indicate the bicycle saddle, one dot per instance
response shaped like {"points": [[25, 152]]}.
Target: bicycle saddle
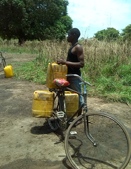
{"points": [[61, 82]]}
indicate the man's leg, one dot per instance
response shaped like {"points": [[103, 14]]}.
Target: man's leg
{"points": [[75, 85]]}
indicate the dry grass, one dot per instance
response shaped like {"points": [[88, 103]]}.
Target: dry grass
{"points": [[107, 64]]}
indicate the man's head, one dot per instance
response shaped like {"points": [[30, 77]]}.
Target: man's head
{"points": [[73, 34]]}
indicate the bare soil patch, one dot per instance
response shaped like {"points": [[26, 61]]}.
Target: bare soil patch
{"points": [[26, 142]]}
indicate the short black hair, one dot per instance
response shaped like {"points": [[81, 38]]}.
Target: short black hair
{"points": [[75, 31]]}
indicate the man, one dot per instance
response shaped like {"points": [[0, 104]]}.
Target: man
{"points": [[75, 60]]}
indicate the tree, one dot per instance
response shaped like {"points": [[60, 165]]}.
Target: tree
{"points": [[34, 19], [108, 34], [126, 33]]}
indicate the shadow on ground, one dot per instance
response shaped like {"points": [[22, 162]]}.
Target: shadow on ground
{"points": [[44, 129], [31, 164]]}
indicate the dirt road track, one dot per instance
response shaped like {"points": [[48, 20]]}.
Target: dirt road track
{"points": [[25, 143]]}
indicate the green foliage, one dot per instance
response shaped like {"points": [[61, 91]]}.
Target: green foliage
{"points": [[107, 66], [112, 89], [34, 70], [11, 15], [124, 73], [30, 72], [29, 19], [11, 46], [108, 34], [126, 33], [112, 81]]}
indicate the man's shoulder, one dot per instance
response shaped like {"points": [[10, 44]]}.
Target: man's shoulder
{"points": [[78, 47]]}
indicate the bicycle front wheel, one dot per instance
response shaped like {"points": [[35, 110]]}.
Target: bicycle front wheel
{"points": [[111, 146]]}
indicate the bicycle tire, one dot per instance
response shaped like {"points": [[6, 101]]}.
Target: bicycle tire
{"points": [[2, 62], [113, 148]]}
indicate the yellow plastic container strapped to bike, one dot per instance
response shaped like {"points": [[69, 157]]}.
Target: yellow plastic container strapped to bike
{"points": [[72, 102], [55, 71], [42, 103]]}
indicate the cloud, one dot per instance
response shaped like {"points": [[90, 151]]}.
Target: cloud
{"points": [[91, 14]]}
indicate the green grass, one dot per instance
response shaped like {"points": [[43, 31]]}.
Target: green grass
{"points": [[29, 71], [113, 82], [13, 47], [33, 70], [109, 73]]}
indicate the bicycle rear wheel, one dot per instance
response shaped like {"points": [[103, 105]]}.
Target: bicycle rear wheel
{"points": [[113, 143]]}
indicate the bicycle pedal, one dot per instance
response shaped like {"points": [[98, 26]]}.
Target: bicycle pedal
{"points": [[60, 114], [73, 132], [73, 135]]}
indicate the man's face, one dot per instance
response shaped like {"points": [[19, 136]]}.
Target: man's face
{"points": [[70, 37]]}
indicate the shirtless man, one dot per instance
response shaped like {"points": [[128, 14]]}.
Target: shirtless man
{"points": [[74, 61]]}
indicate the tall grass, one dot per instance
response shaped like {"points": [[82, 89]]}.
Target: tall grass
{"points": [[107, 64]]}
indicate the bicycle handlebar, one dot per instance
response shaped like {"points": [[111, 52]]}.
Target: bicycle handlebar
{"points": [[75, 75]]}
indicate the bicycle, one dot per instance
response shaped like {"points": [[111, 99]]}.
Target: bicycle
{"points": [[93, 140], [2, 62]]}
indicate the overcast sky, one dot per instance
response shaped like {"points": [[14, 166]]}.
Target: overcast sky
{"points": [[91, 16]]}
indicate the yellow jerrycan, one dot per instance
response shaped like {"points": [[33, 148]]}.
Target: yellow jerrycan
{"points": [[55, 71], [43, 102], [72, 102], [8, 70]]}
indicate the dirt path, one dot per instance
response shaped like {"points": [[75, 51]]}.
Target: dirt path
{"points": [[26, 143]]}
